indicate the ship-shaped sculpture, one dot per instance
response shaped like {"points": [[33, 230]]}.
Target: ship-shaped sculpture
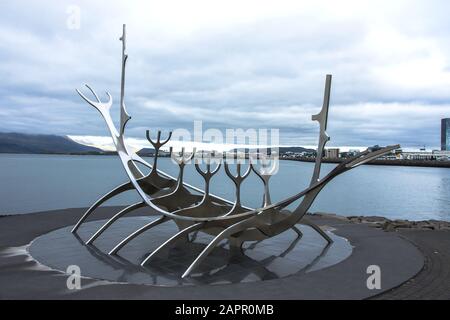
{"points": [[197, 210]]}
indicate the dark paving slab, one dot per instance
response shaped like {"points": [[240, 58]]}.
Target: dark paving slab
{"points": [[23, 278]]}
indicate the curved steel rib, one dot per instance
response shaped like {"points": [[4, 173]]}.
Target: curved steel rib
{"points": [[173, 239], [114, 218], [118, 190], [133, 235], [235, 228]]}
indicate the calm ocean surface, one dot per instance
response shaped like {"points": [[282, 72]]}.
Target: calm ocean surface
{"points": [[30, 183]]}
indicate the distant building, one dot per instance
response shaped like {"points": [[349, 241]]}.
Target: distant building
{"points": [[421, 155], [426, 155], [332, 153], [445, 134], [348, 154], [374, 148], [442, 155]]}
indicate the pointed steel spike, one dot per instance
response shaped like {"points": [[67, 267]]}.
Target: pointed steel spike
{"points": [[158, 139], [147, 134], [168, 138], [193, 153], [247, 173], [93, 92], [216, 169]]}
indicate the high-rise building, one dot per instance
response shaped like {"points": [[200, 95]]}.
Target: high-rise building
{"points": [[445, 134]]}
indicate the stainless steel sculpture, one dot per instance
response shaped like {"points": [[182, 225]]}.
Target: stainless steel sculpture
{"points": [[196, 210]]}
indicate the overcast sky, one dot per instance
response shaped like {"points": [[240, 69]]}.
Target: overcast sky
{"points": [[232, 64]]}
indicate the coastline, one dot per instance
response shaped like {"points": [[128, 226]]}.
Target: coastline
{"points": [[381, 162], [377, 162], [378, 222], [387, 224]]}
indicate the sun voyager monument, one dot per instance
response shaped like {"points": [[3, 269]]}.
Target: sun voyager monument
{"points": [[196, 210]]}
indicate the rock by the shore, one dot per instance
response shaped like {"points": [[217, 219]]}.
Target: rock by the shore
{"points": [[392, 225]]}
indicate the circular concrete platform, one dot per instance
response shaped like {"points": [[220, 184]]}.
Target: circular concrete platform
{"points": [[281, 256], [23, 276]]}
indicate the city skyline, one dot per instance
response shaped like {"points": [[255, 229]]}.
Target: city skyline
{"points": [[236, 65]]}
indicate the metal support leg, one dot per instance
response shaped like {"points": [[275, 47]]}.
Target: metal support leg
{"points": [[297, 231], [114, 218], [173, 239], [237, 227], [148, 226], [122, 188], [317, 229]]}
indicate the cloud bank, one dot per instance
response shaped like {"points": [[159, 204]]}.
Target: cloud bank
{"points": [[232, 64]]}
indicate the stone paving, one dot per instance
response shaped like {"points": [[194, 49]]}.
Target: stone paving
{"points": [[432, 238], [433, 282], [23, 278]]}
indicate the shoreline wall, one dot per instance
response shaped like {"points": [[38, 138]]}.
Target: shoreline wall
{"points": [[381, 162]]}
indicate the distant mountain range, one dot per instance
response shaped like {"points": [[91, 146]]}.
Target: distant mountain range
{"points": [[150, 152], [42, 143], [146, 152], [54, 144], [295, 149]]}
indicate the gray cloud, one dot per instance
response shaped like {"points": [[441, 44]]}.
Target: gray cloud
{"points": [[232, 65]]}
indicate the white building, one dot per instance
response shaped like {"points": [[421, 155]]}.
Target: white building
{"points": [[427, 155]]}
